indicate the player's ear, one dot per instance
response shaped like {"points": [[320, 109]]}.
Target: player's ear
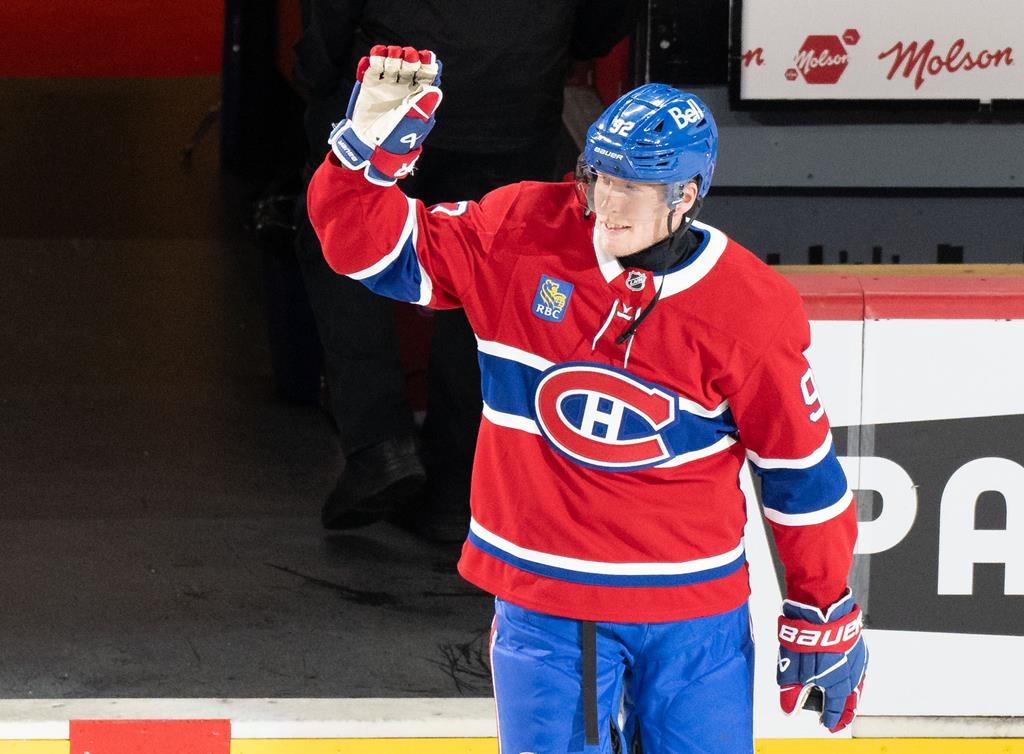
{"points": [[690, 191]]}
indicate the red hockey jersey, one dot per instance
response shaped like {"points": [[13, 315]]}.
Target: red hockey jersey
{"points": [[606, 479]]}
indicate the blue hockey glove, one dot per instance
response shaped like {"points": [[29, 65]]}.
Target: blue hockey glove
{"points": [[822, 652], [389, 114]]}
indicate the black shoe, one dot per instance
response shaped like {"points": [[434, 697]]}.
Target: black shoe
{"points": [[375, 482]]}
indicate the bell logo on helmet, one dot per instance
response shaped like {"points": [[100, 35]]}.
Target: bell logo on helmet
{"points": [[683, 118]]}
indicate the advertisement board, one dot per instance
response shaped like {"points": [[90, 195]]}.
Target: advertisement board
{"points": [[877, 51], [921, 379]]}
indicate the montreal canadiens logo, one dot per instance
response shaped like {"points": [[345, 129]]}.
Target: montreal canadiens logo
{"points": [[603, 417]]}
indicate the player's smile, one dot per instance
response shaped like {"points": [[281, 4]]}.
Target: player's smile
{"points": [[621, 237], [614, 226], [630, 215]]}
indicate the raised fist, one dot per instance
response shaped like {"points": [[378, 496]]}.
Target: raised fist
{"points": [[390, 112]]}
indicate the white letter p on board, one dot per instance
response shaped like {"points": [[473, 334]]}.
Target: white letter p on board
{"points": [[899, 501]]}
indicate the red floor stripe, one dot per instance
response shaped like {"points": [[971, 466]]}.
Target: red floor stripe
{"points": [[150, 736]]}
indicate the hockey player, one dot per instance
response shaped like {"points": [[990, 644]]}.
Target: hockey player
{"points": [[633, 360]]}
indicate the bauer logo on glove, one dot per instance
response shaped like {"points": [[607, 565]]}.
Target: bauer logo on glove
{"points": [[389, 114], [822, 660]]}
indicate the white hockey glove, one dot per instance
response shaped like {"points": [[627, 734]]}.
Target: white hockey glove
{"points": [[389, 114]]}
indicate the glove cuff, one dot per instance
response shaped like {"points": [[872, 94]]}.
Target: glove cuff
{"points": [[839, 608], [391, 166], [381, 168], [352, 151]]}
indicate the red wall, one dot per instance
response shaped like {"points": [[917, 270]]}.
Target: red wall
{"points": [[110, 38]]}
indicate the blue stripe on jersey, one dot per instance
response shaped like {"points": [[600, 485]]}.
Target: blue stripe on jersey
{"points": [[509, 386], [401, 279], [794, 491], [606, 579]]}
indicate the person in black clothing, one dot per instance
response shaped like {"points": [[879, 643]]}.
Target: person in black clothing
{"points": [[498, 126]]}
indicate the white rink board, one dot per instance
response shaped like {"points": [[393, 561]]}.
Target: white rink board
{"points": [[889, 371], [917, 370]]}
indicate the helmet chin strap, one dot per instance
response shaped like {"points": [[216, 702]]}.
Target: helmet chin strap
{"points": [[688, 219]]}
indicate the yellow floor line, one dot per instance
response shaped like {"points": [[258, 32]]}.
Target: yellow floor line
{"points": [[764, 746], [367, 746], [35, 747], [490, 746], [892, 746]]}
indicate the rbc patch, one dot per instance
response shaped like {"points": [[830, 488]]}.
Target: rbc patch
{"points": [[552, 298]]}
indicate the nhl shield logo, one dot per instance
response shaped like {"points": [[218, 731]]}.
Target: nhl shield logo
{"points": [[552, 298], [635, 280]]}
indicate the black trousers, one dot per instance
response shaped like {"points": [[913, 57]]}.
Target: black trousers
{"points": [[357, 331]]}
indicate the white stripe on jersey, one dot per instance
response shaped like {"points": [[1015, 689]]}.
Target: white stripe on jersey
{"points": [[381, 264], [459, 209], [813, 517], [726, 442], [426, 288], [602, 567], [426, 284], [511, 421], [493, 348], [698, 410], [792, 463]]}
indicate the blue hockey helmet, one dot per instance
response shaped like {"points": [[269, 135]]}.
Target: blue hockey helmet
{"points": [[654, 134]]}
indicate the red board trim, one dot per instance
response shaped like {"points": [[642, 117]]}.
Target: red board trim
{"points": [[848, 297]]}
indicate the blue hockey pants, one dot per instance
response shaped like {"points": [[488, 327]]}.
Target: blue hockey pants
{"points": [[683, 687]]}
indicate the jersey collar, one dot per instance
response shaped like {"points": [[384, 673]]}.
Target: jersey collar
{"points": [[679, 278]]}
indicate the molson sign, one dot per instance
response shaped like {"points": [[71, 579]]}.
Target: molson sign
{"points": [[877, 51], [821, 59], [919, 60]]}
